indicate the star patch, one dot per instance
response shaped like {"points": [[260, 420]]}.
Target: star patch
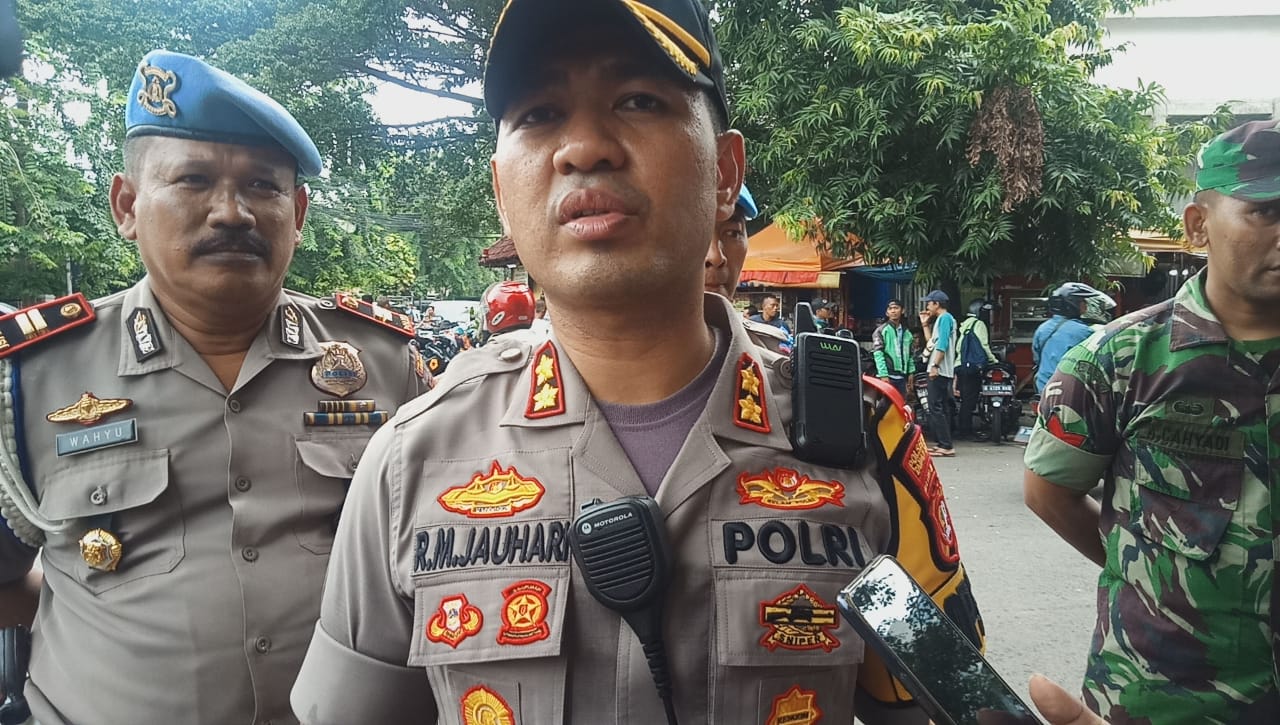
{"points": [[786, 489], [799, 620], [89, 409], [482, 706], [795, 707], [749, 408], [493, 495], [454, 621], [546, 386], [524, 613]]}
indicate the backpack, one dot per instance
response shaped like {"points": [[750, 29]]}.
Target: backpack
{"points": [[972, 356]]}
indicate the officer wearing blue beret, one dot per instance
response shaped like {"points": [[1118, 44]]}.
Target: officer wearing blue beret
{"points": [[181, 450]]}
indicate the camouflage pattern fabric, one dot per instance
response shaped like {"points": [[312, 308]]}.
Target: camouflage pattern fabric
{"points": [[1243, 163], [1176, 418]]}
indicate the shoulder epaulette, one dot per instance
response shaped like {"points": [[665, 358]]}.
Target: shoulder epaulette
{"points": [[39, 322], [469, 365], [389, 319]]}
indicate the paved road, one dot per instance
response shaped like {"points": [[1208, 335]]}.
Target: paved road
{"points": [[1036, 592]]}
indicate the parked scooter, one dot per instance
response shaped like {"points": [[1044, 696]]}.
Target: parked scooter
{"points": [[997, 408]]}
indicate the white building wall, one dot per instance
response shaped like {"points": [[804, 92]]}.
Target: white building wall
{"points": [[1203, 52]]}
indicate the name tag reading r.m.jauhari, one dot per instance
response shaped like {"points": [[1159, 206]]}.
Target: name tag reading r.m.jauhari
{"points": [[99, 436]]}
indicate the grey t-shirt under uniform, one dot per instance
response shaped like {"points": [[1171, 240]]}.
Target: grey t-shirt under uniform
{"points": [[652, 434]]}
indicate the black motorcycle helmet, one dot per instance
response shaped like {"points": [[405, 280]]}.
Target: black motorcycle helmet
{"points": [[1066, 300], [981, 309]]}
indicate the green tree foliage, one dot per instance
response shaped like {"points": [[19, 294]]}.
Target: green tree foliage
{"points": [[966, 136], [391, 213]]}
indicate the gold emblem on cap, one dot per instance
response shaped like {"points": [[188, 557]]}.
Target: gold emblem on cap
{"points": [[101, 550], [89, 409], [157, 84], [339, 371], [70, 311]]}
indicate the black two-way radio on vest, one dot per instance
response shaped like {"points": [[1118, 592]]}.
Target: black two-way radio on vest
{"points": [[621, 549], [826, 396]]}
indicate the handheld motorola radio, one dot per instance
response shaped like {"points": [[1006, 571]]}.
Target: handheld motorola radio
{"points": [[826, 396], [621, 549]]}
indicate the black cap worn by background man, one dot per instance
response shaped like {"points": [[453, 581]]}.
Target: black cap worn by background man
{"points": [[679, 31]]}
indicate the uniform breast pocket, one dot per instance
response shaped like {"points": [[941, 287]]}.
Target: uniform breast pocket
{"points": [[126, 495], [492, 645], [323, 470], [1184, 500], [784, 653]]}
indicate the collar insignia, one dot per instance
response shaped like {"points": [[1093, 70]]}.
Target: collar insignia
{"points": [[146, 341], [796, 707], [749, 408], [546, 386], [291, 326], [786, 489], [157, 85], [799, 620], [524, 613], [339, 371], [482, 706], [454, 621], [493, 495], [89, 409]]}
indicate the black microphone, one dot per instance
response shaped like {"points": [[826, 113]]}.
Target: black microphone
{"points": [[621, 549], [10, 41]]}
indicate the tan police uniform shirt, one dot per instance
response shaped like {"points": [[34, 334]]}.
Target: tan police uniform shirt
{"points": [[451, 597], [767, 336], [225, 506]]}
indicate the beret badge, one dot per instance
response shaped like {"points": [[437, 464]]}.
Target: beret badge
{"points": [[157, 84]]}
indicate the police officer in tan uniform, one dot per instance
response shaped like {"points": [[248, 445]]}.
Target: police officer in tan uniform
{"points": [[452, 596], [182, 449], [723, 266]]}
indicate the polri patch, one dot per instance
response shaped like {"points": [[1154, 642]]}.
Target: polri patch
{"points": [[795, 707], [495, 494], [787, 489], [799, 620], [455, 620], [524, 613], [482, 706], [99, 436], [145, 338]]}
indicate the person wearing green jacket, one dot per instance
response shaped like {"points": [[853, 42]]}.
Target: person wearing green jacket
{"points": [[891, 348]]}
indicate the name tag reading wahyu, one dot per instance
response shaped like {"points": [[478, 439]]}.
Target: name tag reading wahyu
{"points": [[99, 436]]}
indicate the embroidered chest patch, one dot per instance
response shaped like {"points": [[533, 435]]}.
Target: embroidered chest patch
{"points": [[799, 620], [494, 494], [787, 489]]}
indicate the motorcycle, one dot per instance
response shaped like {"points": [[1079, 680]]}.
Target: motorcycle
{"points": [[998, 409]]}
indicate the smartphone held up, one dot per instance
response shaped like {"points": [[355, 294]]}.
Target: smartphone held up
{"points": [[932, 658]]}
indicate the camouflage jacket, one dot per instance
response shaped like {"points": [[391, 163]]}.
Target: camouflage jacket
{"points": [[1174, 416]]}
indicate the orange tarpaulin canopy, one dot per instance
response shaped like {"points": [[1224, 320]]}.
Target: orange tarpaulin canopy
{"points": [[775, 259]]}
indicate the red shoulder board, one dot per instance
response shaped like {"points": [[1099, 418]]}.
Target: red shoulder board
{"points": [[389, 319], [39, 322]]}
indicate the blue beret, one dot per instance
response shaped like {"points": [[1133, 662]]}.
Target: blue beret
{"points": [[747, 204], [176, 95]]}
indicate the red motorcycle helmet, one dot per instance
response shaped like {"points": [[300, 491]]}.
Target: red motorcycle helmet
{"points": [[507, 306]]}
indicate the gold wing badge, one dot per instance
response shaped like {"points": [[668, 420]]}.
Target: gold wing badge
{"points": [[89, 409]]}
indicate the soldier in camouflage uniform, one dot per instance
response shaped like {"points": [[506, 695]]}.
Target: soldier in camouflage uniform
{"points": [[1173, 407]]}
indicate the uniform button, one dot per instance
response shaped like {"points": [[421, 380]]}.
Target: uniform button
{"points": [[234, 405], [99, 496], [355, 463], [511, 354], [243, 484], [249, 553], [262, 644]]}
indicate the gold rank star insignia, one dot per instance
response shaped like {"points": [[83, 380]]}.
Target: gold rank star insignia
{"points": [[749, 410], [546, 369], [546, 397], [750, 383], [89, 409], [101, 550]]}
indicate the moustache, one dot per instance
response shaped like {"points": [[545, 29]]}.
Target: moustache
{"points": [[235, 243]]}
